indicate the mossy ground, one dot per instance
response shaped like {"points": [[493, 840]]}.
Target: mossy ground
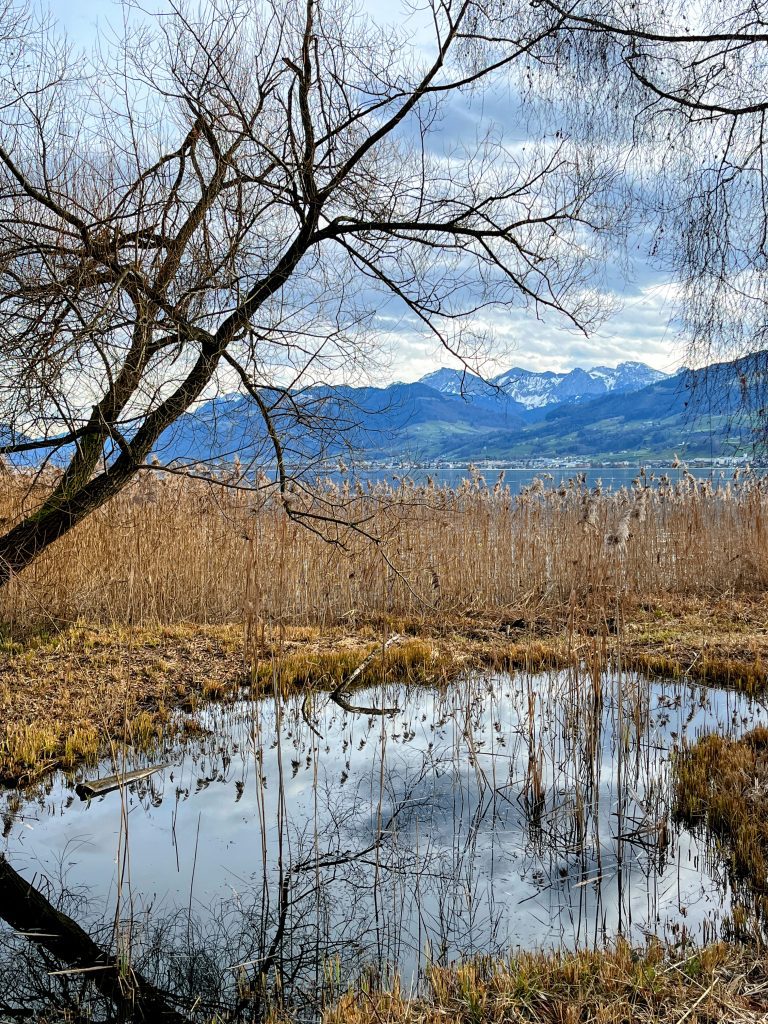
{"points": [[65, 694], [723, 643]]}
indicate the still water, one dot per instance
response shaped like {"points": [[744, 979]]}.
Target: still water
{"points": [[316, 844]]}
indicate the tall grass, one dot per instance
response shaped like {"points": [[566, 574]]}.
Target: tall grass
{"points": [[171, 548]]}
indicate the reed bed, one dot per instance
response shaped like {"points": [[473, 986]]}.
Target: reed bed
{"points": [[221, 548]]}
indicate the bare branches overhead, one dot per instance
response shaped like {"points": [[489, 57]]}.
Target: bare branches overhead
{"points": [[224, 195], [680, 91]]}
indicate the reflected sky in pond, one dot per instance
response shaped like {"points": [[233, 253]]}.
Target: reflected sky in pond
{"points": [[512, 811]]}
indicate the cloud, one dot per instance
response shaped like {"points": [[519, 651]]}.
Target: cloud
{"points": [[640, 329]]}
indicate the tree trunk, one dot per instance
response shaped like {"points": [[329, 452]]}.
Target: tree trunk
{"points": [[67, 507], [27, 910], [24, 542]]}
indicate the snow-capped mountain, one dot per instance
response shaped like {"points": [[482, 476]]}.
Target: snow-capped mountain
{"points": [[456, 382], [626, 412], [534, 390]]}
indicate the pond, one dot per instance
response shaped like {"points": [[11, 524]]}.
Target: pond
{"points": [[315, 845]]}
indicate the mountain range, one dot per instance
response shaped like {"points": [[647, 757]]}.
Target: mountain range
{"points": [[538, 390], [627, 412]]}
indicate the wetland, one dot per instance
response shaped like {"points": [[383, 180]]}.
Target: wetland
{"points": [[504, 762], [284, 852]]}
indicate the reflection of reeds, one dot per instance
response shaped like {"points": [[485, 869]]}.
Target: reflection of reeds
{"points": [[171, 548], [399, 859]]}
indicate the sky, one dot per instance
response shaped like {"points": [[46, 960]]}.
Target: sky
{"points": [[638, 329]]}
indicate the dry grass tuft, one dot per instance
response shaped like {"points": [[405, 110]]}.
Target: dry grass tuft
{"points": [[722, 784], [617, 986], [414, 661]]}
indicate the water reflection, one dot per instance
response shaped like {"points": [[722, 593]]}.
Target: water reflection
{"points": [[285, 850]]}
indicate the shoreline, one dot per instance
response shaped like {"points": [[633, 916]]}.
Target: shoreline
{"points": [[66, 696]]}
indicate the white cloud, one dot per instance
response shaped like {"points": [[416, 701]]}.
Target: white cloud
{"points": [[640, 329]]}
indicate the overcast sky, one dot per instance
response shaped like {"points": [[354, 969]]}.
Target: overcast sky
{"points": [[638, 330]]}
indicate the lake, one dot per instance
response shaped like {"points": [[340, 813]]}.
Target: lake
{"points": [[516, 479]]}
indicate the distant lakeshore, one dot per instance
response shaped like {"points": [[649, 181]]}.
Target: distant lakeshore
{"points": [[520, 474], [547, 464]]}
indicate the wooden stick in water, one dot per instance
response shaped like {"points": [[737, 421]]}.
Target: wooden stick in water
{"points": [[98, 787]]}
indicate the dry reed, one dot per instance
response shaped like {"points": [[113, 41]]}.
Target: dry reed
{"points": [[178, 549], [613, 986]]}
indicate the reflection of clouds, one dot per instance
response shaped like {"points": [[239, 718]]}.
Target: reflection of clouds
{"points": [[469, 860]]}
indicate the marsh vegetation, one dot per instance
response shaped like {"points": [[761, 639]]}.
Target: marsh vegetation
{"points": [[394, 725], [431, 742], [218, 547]]}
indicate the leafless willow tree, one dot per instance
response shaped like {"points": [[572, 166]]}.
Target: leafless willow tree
{"points": [[220, 197], [680, 90]]}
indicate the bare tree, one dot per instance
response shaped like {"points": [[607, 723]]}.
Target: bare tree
{"points": [[222, 197], [680, 91]]}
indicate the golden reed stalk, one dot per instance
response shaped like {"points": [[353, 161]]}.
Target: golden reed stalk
{"points": [[172, 548]]}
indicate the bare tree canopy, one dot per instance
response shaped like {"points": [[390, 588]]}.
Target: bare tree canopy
{"points": [[680, 91], [222, 196]]}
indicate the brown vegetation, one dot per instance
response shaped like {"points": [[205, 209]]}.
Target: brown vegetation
{"points": [[722, 785], [199, 587], [173, 549], [63, 698], [618, 986]]}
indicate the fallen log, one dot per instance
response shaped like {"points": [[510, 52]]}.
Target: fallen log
{"points": [[98, 787], [339, 695]]}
